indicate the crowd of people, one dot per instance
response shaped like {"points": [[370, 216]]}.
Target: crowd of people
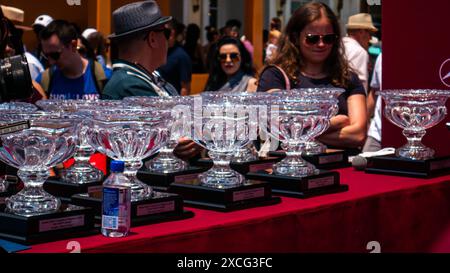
{"points": [[157, 55]]}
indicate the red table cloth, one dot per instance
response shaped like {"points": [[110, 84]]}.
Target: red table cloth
{"points": [[398, 213]]}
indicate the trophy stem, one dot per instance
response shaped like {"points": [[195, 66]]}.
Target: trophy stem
{"points": [[32, 200], [139, 190], [221, 159], [415, 149], [294, 164], [314, 148], [82, 171], [33, 178], [84, 150], [221, 175], [245, 154], [166, 162]]}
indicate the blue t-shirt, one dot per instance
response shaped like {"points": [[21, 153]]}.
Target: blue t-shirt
{"points": [[80, 88], [178, 67]]}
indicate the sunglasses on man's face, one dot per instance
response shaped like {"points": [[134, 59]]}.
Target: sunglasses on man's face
{"points": [[234, 57], [328, 39], [166, 32], [82, 50], [52, 55]]}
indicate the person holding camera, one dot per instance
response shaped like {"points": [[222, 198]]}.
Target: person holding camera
{"points": [[15, 78]]}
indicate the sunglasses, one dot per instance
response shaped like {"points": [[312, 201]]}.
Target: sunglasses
{"points": [[53, 55], [82, 50], [328, 39], [166, 31], [234, 57]]}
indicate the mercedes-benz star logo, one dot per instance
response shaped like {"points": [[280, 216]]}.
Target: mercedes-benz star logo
{"points": [[444, 73]]}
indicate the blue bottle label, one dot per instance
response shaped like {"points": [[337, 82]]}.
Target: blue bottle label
{"points": [[110, 217]]}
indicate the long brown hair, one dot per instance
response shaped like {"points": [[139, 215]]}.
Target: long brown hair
{"points": [[289, 56]]}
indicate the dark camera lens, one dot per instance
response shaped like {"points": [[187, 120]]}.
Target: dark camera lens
{"points": [[15, 79]]}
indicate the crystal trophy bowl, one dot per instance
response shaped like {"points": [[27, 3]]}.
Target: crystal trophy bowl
{"points": [[82, 171], [130, 135], [48, 142], [415, 111], [76, 105], [296, 119], [14, 107], [18, 107], [314, 147], [180, 108], [222, 126], [253, 101]]}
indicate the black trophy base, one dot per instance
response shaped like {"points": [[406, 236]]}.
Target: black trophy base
{"points": [[326, 182], [243, 168], [255, 165], [393, 165], [64, 189], [162, 181], [69, 222], [162, 207], [251, 194], [331, 159]]}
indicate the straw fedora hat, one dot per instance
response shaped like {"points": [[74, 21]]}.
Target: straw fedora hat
{"points": [[361, 21], [16, 16]]}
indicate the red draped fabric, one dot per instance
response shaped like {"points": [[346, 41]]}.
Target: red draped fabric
{"points": [[416, 56], [401, 214]]}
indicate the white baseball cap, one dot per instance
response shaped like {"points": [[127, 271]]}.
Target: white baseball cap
{"points": [[88, 32], [43, 20]]}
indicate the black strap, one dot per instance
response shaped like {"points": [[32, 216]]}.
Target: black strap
{"points": [[94, 77], [50, 80]]}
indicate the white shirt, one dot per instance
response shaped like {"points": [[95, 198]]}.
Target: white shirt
{"points": [[34, 65], [376, 84], [358, 58], [270, 50]]}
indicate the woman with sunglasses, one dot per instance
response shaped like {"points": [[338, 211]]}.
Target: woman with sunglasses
{"points": [[310, 55], [231, 69]]}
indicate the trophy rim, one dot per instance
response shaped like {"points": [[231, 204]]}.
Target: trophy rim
{"points": [[414, 94]]}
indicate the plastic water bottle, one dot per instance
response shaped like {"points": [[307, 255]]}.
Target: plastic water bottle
{"points": [[116, 206]]}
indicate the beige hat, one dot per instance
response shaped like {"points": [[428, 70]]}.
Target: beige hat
{"points": [[274, 34], [15, 15], [361, 21]]}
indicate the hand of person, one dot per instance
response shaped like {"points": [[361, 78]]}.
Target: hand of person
{"points": [[187, 149]]}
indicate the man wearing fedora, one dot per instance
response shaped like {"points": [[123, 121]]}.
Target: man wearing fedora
{"points": [[140, 39], [359, 32], [141, 44]]}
